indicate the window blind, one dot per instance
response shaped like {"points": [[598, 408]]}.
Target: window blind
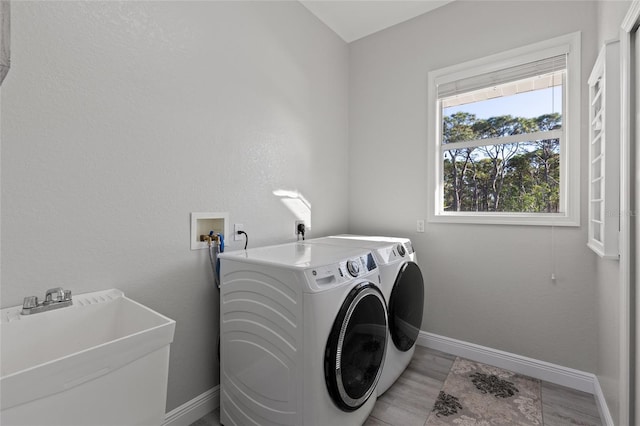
{"points": [[505, 75]]}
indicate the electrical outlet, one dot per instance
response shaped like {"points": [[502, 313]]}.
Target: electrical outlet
{"points": [[420, 225], [237, 227]]}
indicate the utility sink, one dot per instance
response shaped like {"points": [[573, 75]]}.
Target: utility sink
{"points": [[102, 361]]}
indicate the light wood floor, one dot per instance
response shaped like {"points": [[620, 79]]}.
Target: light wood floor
{"points": [[409, 401]]}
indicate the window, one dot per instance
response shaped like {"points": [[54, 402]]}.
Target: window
{"points": [[505, 137]]}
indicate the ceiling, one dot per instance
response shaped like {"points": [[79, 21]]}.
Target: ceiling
{"points": [[354, 19]]}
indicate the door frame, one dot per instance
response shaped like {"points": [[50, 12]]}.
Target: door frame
{"points": [[629, 391]]}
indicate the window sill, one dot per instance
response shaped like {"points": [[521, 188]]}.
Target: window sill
{"points": [[537, 219]]}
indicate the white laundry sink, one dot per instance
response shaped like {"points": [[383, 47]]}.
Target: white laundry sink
{"points": [[102, 361]]}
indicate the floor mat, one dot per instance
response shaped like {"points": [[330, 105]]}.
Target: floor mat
{"points": [[481, 395]]}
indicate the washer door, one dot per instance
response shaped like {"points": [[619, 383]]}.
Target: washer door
{"points": [[356, 347], [406, 305]]}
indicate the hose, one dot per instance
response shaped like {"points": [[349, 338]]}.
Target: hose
{"points": [[216, 246]]}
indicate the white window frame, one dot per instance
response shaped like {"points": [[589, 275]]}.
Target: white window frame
{"points": [[569, 214]]}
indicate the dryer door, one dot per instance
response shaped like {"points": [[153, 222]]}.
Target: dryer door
{"points": [[406, 305], [356, 347]]}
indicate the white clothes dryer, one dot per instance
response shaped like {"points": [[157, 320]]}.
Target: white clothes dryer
{"points": [[402, 285], [302, 335]]}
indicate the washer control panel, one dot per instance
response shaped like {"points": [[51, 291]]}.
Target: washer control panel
{"points": [[342, 272], [358, 266], [409, 247]]}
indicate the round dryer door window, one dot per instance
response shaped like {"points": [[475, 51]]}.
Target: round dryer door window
{"points": [[356, 347], [406, 305]]}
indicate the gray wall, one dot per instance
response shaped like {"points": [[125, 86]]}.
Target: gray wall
{"points": [[119, 119], [488, 284], [610, 16]]}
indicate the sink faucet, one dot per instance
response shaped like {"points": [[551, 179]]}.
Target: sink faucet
{"points": [[54, 298], [58, 292]]}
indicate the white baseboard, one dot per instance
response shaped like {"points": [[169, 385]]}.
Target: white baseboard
{"points": [[194, 409], [553, 373], [542, 370], [603, 408]]}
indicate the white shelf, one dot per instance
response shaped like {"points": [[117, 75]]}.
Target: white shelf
{"points": [[604, 152]]}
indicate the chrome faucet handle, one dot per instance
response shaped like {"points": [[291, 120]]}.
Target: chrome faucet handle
{"points": [[30, 302], [54, 298], [58, 292]]}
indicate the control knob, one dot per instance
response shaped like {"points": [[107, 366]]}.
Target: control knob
{"points": [[401, 250], [353, 268]]}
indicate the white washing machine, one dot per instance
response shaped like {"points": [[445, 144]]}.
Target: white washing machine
{"points": [[403, 288], [303, 335]]}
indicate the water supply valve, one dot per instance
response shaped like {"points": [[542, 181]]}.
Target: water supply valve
{"points": [[209, 239]]}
